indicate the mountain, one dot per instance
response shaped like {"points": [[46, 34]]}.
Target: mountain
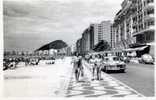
{"points": [[57, 44]]}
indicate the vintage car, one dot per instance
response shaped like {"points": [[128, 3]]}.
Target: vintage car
{"points": [[111, 63], [33, 61], [147, 59], [51, 61], [48, 61]]}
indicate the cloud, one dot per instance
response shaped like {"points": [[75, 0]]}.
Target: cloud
{"points": [[43, 21]]}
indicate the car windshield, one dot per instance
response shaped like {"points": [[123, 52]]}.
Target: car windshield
{"points": [[111, 59]]}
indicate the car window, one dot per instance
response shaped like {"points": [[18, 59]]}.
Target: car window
{"points": [[106, 59]]}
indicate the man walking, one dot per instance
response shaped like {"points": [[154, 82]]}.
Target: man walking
{"points": [[77, 66]]}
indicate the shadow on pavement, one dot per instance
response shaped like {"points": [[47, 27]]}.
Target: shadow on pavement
{"points": [[114, 72]]}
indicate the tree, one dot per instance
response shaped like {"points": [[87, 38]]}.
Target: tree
{"points": [[103, 45]]}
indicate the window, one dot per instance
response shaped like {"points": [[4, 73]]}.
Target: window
{"points": [[150, 1], [150, 23]]}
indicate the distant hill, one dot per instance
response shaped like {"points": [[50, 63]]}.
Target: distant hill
{"points": [[57, 44]]}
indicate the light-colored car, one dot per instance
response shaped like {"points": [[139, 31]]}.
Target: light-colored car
{"points": [[111, 63], [147, 59], [135, 60], [49, 60]]}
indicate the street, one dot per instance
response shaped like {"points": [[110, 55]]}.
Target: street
{"points": [[138, 76], [58, 80]]}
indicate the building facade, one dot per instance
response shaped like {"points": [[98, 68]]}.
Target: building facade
{"points": [[112, 36], [134, 24], [86, 40], [145, 29], [78, 46], [101, 31], [93, 35]]}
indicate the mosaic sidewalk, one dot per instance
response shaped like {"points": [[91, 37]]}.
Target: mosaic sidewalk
{"points": [[108, 87]]}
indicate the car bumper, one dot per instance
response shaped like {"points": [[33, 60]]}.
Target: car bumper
{"points": [[116, 67]]}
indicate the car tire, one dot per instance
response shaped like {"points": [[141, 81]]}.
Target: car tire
{"points": [[104, 69]]}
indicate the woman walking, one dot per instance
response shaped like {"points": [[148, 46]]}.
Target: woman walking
{"points": [[98, 61], [92, 62]]}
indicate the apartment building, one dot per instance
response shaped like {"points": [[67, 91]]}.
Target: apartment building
{"points": [[145, 30], [93, 35], [122, 25], [86, 38], [78, 46], [112, 36], [101, 31], [134, 23]]}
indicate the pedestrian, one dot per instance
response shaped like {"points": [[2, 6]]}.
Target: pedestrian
{"points": [[76, 67], [80, 65], [98, 64], [92, 62]]}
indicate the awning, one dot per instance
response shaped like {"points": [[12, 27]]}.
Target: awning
{"points": [[152, 43], [145, 30], [136, 49]]}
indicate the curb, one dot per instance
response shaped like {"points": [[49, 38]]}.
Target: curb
{"points": [[118, 81]]}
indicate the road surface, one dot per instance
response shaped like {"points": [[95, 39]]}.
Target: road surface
{"points": [[138, 76]]}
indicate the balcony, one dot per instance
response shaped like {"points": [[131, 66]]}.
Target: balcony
{"points": [[133, 7], [149, 5], [149, 17], [148, 29], [135, 24], [123, 12]]}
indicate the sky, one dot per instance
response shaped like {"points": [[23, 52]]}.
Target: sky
{"points": [[29, 24]]}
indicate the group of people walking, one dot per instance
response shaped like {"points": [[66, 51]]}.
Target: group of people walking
{"points": [[94, 65]]}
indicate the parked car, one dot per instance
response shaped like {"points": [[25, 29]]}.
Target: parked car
{"points": [[125, 59], [10, 63], [33, 61], [135, 60], [5, 65], [113, 63], [52, 60], [147, 59], [48, 61]]}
